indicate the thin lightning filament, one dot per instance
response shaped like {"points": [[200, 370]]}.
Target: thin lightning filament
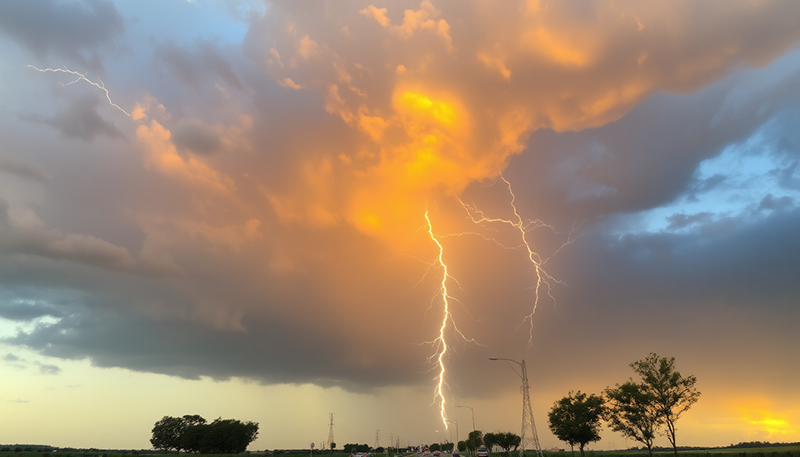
{"points": [[542, 278], [81, 77]]}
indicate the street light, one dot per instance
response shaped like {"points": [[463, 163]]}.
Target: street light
{"points": [[473, 414], [527, 411], [455, 422]]}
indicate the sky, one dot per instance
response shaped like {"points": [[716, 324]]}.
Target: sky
{"points": [[278, 211]]}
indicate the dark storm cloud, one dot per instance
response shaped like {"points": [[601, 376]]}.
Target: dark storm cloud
{"points": [[23, 310], [272, 349], [4, 218], [649, 157], [700, 186], [745, 264], [771, 203], [197, 64], [241, 294], [49, 369], [33, 239], [196, 138], [680, 221], [79, 120], [72, 30], [9, 357], [23, 169]]}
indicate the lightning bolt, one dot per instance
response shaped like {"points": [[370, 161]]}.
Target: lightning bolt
{"points": [[81, 77], [440, 342], [543, 279]]}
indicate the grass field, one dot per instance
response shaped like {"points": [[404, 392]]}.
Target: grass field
{"points": [[772, 451]]}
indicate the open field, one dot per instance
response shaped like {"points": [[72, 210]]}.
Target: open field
{"points": [[771, 451]]}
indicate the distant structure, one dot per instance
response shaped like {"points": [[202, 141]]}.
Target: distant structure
{"points": [[377, 439], [529, 435], [331, 442]]}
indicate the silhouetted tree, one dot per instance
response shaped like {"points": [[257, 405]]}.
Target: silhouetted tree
{"points": [[631, 410], [575, 419], [223, 436], [168, 432], [352, 448], [508, 441], [672, 393]]}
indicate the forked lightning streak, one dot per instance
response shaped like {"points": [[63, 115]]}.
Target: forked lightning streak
{"points": [[81, 77]]}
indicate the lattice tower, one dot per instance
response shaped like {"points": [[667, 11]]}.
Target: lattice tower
{"points": [[529, 437]]}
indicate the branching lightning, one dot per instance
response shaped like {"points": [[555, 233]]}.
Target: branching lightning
{"points": [[543, 280], [440, 342], [80, 77]]}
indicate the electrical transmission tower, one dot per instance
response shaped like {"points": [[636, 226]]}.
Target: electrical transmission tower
{"points": [[528, 438], [377, 439], [529, 435], [331, 443]]}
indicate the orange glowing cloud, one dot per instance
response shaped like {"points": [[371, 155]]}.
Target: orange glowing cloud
{"points": [[428, 120], [163, 156], [413, 20]]}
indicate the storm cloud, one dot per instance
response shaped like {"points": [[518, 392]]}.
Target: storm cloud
{"points": [[262, 212]]}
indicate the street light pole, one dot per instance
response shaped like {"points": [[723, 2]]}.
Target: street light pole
{"points": [[528, 434], [473, 415], [455, 422]]}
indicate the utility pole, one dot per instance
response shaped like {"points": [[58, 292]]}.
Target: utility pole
{"points": [[528, 435], [331, 443]]}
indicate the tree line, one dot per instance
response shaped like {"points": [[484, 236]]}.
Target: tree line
{"points": [[636, 409], [191, 433], [507, 441]]}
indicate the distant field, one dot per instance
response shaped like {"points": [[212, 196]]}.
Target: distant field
{"points": [[772, 451]]}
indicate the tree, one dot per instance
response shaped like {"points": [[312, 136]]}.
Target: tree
{"points": [[490, 440], [223, 436], [575, 419], [508, 441], [672, 393], [168, 432], [352, 448], [462, 446], [631, 411], [474, 439]]}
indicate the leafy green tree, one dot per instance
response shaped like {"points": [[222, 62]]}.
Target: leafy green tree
{"points": [[672, 393], [435, 447], [447, 447], [462, 446], [575, 419], [490, 440], [631, 410], [474, 440]]}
